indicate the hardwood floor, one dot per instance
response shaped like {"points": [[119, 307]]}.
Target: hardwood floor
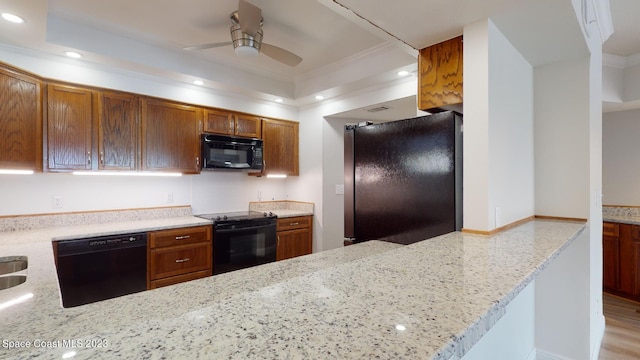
{"points": [[622, 333]]}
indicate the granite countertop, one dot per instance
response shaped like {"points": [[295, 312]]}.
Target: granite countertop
{"points": [[621, 214], [343, 303], [622, 219], [284, 208]]}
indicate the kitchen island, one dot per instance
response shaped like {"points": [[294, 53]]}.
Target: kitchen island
{"points": [[430, 300]]}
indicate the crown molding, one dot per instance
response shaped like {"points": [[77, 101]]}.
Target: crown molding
{"points": [[620, 62], [614, 61]]}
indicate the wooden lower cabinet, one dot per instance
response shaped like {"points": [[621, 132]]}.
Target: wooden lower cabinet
{"points": [[179, 255], [621, 259], [611, 256], [295, 236]]}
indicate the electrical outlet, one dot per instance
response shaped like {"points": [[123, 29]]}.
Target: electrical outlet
{"points": [[56, 202], [339, 189]]}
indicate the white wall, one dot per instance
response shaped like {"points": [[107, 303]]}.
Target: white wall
{"points": [[620, 160], [511, 165], [498, 130], [562, 139], [562, 323]]}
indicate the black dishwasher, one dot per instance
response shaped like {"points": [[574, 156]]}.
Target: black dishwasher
{"points": [[100, 268]]}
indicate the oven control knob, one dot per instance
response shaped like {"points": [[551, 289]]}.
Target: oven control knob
{"points": [[270, 213], [218, 218], [224, 217], [265, 214]]}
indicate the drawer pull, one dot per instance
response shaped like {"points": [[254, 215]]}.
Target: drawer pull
{"points": [[183, 237], [182, 260], [294, 224]]}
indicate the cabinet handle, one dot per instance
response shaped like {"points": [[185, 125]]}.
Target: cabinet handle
{"points": [[293, 224], [102, 158], [182, 260], [197, 162], [183, 237], [88, 157], [278, 243]]}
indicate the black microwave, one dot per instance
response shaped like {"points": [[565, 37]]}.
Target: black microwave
{"points": [[228, 152]]}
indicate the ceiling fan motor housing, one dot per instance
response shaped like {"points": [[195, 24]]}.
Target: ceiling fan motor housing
{"points": [[243, 43]]}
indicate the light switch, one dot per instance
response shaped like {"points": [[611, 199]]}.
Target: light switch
{"points": [[339, 189]]}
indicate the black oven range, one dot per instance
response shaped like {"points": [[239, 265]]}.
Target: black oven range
{"points": [[242, 239]]}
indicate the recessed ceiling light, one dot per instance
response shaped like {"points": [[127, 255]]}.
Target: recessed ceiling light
{"points": [[198, 82], [319, 97], [73, 54], [12, 18], [278, 100], [403, 73]]}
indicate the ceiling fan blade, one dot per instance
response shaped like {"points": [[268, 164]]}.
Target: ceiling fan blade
{"points": [[206, 46], [250, 17], [280, 54]]}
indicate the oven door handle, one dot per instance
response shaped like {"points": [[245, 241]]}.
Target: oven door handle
{"points": [[227, 230]]}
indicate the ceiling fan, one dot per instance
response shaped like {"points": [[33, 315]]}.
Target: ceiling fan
{"points": [[246, 36]]}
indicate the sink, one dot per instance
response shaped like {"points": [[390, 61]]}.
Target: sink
{"points": [[13, 264], [11, 281]]}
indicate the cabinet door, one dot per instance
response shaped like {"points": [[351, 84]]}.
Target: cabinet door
{"points": [[248, 126], [611, 256], [20, 121], [440, 80], [280, 147], [219, 122], [293, 243], [635, 240], [170, 136], [118, 130], [627, 257], [69, 115]]}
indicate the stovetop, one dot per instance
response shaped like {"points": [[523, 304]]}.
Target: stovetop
{"points": [[238, 216]]}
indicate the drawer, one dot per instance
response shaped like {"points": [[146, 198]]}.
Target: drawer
{"points": [[180, 236], [610, 229], [294, 223], [179, 279], [177, 260]]}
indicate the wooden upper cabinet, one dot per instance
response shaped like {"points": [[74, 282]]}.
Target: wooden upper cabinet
{"points": [[20, 120], [440, 76], [69, 127], [248, 126], [280, 151], [118, 131], [218, 122], [232, 124], [170, 136]]}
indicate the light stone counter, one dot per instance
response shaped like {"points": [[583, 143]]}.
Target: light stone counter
{"points": [[343, 303], [621, 214], [283, 208]]}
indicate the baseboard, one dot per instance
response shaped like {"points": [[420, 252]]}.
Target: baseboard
{"points": [[532, 355], [595, 351], [543, 355]]}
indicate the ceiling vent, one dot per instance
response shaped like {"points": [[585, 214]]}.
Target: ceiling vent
{"points": [[378, 109]]}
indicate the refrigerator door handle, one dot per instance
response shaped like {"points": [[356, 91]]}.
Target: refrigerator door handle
{"points": [[349, 183]]}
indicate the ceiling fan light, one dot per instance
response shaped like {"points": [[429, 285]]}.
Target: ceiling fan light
{"points": [[246, 50]]}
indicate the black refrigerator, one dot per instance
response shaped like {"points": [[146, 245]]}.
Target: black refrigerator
{"points": [[403, 179]]}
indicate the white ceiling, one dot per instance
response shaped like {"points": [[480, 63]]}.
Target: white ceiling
{"points": [[381, 36]]}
